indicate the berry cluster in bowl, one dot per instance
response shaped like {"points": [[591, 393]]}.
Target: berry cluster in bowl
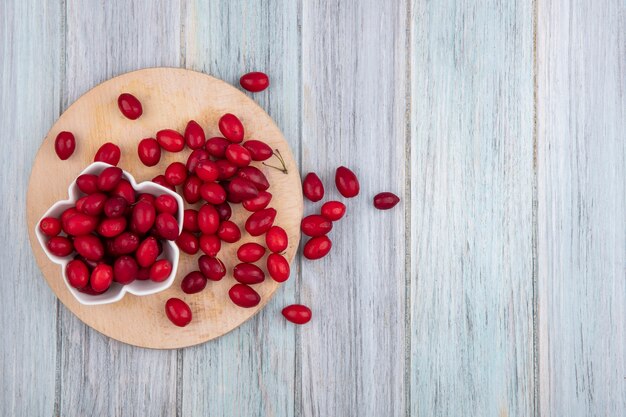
{"points": [[113, 236]]}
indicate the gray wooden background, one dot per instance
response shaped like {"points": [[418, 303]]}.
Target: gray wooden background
{"points": [[497, 287]]}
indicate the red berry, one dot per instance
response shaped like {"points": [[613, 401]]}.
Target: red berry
{"points": [[210, 244], [94, 204], [216, 146], [64, 145], [147, 252], [211, 267], [109, 153], [259, 151], [170, 140], [148, 198], [226, 169], [109, 178], [315, 225], [160, 270], [385, 201], [257, 203], [166, 226], [297, 313], [142, 217], [77, 274], [250, 252], [194, 135], [238, 155], [224, 211], [244, 296], [260, 221], [333, 210], [115, 207], [176, 173], [255, 176], [178, 312], [112, 227], [144, 273], [207, 170], [87, 183], [125, 270], [276, 239], [241, 189], [254, 81], [191, 189], [125, 243], [248, 274], [346, 182], [229, 232], [165, 203], [79, 224], [213, 193], [60, 246], [149, 152], [190, 220], [312, 187], [124, 190], [278, 267], [193, 283], [208, 219], [194, 158], [101, 278], [231, 127], [129, 106], [50, 226], [188, 242], [317, 247]]}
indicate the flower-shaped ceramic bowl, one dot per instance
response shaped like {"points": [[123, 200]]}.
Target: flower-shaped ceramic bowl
{"points": [[117, 291]]}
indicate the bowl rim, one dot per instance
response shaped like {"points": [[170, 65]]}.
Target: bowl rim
{"points": [[117, 291]]}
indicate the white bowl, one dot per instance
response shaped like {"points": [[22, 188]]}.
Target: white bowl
{"points": [[117, 291]]}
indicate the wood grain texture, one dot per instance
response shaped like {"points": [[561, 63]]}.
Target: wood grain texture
{"points": [[581, 161], [105, 39], [250, 371], [353, 83], [170, 98], [28, 356], [472, 217]]}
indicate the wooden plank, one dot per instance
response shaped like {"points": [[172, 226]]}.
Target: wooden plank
{"points": [[100, 376], [581, 163], [354, 87], [472, 214], [27, 345], [250, 371]]}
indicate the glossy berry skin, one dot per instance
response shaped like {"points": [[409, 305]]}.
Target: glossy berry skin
{"points": [[147, 252], [175, 173], [278, 267], [142, 218], [125, 270], [259, 222], [64, 145], [333, 210], [194, 135], [213, 193], [101, 277], [125, 243], [255, 176], [238, 155], [115, 207], [386, 200], [216, 146], [254, 81], [211, 267], [250, 252], [210, 244], [165, 203], [191, 189], [166, 226], [315, 225], [89, 247], [248, 274], [77, 274], [60, 246], [188, 243], [224, 211], [193, 283], [229, 232], [79, 224], [170, 140], [207, 170], [297, 313], [346, 182], [190, 220], [259, 151], [160, 270], [241, 189], [194, 159], [276, 239], [109, 178], [143, 274], [244, 296], [130, 106], [178, 312], [208, 219], [111, 227], [50, 226], [317, 247], [109, 153], [257, 203], [226, 169], [149, 152], [87, 183], [312, 187], [124, 190], [231, 127]]}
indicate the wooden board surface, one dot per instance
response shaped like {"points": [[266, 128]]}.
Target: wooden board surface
{"points": [[170, 97]]}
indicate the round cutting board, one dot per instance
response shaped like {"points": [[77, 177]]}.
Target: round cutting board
{"points": [[170, 98]]}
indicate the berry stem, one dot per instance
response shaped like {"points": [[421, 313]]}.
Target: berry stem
{"points": [[281, 160]]}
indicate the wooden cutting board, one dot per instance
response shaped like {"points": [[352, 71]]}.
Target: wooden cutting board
{"points": [[170, 98]]}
